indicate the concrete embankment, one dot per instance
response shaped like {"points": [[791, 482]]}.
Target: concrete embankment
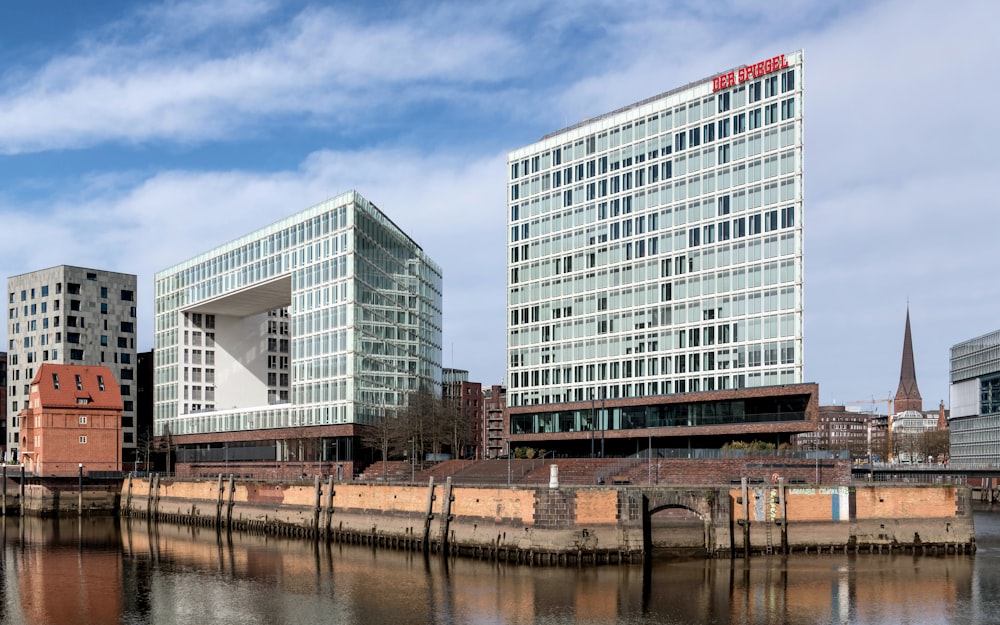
{"points": [[553, 524]]}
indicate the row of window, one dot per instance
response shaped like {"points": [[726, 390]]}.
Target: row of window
{"points": [[650, 388], [31, 357], [652, 150], [126, 389], [72, 321], [768, 221], [608, 320], [674, 212], [752, 356], [599, 183], [127, 422], [127, 295], [663, 121], [74, 305], [556, 282]]}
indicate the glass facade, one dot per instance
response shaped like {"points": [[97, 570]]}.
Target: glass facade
{"points": [[658, 249], [974, 419], [330, 316]]}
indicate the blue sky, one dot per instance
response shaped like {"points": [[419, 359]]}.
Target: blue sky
{"points": [[134, 135]]}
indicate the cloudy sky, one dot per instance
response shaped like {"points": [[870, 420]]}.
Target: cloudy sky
{"points": [[134, 135]]}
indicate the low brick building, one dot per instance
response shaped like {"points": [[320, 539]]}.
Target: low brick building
{"points": [[73, 418]]}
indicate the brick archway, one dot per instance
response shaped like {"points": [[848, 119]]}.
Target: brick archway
{"points": [[710, 504]]}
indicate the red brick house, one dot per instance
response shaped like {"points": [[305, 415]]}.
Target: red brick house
{"points": [[73, 417]]}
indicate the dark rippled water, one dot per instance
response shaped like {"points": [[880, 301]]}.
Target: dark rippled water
{"points": [[100, 571]]}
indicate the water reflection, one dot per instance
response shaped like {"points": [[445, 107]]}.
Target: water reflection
{"points": [[108, 571]]}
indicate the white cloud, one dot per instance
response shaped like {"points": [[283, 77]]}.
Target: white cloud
{"points": [[322, 62]]}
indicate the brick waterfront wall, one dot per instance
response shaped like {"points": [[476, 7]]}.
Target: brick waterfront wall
{"points": [[570, 519]]}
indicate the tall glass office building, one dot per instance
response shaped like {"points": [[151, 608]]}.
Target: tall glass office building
{"points": [[657, 249], [295, 332], [974, 417]]}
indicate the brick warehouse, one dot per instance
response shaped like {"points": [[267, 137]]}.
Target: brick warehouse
{"points": [[73, 419]]}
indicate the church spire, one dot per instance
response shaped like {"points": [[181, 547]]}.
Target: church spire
{"points": [[908, 395]]}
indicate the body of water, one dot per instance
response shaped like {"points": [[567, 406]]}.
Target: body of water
{"points": [[104, 571]]}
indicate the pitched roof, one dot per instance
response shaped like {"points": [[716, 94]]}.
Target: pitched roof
{"points": [[63, 386]]}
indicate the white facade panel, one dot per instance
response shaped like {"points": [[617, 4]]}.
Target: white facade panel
{"points": [[964, 399]]}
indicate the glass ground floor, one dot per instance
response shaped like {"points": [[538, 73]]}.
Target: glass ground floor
{"points": [[698, 420]]}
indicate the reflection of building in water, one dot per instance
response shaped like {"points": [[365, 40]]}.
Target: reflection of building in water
{"points": [[64, 583]]}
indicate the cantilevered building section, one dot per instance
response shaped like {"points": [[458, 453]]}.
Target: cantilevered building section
{"points": [[277, 347], [655, 265]]}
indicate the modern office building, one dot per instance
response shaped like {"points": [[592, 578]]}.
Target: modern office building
{"points": [[273, 351], [655, 260], [974, 418], [71, 315]]}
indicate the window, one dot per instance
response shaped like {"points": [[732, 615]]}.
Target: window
{"points": [[128, 326], [82, 420], [100, 382], [74, 354], [770, 86], [788, 108], [723, 205], [788, 217], [771, 113], [55, 381], [770, 221], [83, 440], [79, 383], [724, 101], [788, 81], [127, 295]]}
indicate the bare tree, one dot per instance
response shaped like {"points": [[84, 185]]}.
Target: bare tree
{"points": [[145, 445], [384, 435], [936, 444], [457, 425]]}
